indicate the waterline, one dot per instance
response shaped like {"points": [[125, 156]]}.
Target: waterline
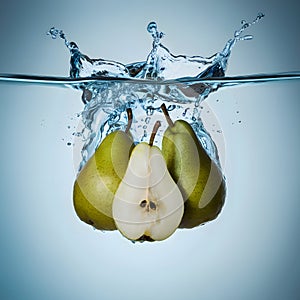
{"points": [[223, 81]]}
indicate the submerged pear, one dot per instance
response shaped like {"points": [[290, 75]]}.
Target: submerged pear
{"points": [[97, 182], [198, 177], [148, 205]]}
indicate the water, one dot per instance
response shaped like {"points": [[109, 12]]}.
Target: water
{"points": [[109, 88], [48, 253]]}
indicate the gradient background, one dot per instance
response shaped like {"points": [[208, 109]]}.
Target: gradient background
{"points": [[249, 252]]}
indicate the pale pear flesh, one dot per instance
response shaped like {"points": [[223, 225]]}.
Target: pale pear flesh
{"points": [[147, 201]]}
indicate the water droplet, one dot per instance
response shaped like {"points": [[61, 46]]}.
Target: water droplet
{"points": [[171, 107], [185, 111], [144, 135], [72, 46], [149, 111], [246, 37], [152, 26], [53, 32]]}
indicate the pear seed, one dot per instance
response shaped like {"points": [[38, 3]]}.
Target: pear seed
{"points": [[152, 205], [143, 203]]}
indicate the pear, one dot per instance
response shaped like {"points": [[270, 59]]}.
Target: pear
{"points": [[148, 205], [198, 177], [97, 182]]}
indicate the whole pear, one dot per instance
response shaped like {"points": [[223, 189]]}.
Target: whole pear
{"points": [[198, 177], [97, 182]]}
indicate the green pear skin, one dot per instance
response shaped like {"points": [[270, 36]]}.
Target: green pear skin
{"points": [[197, 175], [97, 182]]}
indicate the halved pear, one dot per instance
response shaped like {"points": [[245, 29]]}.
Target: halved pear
{"points": [[148, 205]]}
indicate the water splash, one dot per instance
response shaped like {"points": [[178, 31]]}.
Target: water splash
{"points": [[109, 88], [106, 102], [160, 64], [83, 66], [181, 81]]}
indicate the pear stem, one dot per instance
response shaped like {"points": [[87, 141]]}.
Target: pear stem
{"points": [[129, 116], [154, 132], [167, 116]]}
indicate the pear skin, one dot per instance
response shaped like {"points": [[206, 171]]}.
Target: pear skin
{"points": [[198, 177], [98, 181]]}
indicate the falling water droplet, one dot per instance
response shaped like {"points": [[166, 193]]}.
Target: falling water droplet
{"points": [[152, 27]]}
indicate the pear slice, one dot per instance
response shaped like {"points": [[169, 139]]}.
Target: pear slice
{"points": [[148, 205]]}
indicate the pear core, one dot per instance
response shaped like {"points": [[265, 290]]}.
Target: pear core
{"points": [[148, 205]]}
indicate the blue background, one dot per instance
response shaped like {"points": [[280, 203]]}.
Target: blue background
{"points": [[249, 252]]}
